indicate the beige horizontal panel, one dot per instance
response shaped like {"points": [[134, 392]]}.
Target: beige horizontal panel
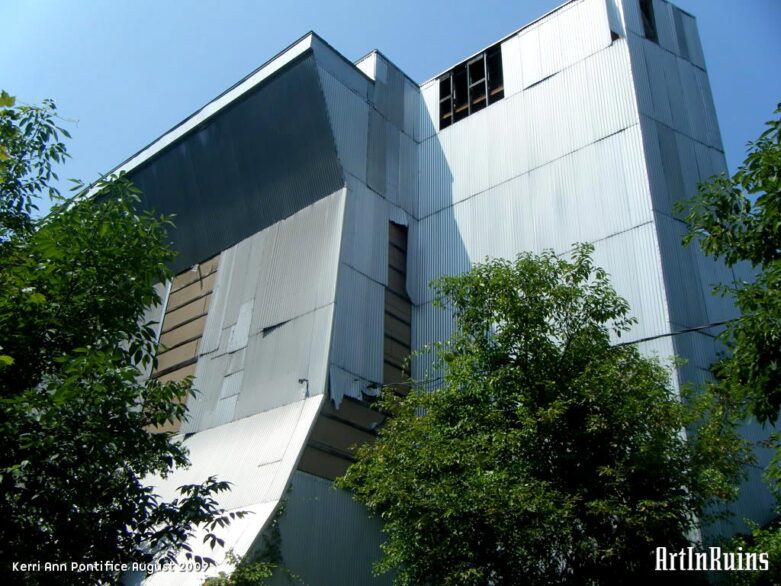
{"points": [[182, 333], [186, 313], [177, 355], [179, 374], [185, 278], [192, 291]]}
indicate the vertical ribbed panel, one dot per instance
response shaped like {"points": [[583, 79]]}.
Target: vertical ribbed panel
{"points": [[574, 198], [365, 235], [541, 51], [428, 112], [358, 326], [349, 116], [512, 72], [665, 27], [411, 107], [693, 41], [273, 303], [408, 174], [327, 537], [584, 103], [389, 92]]}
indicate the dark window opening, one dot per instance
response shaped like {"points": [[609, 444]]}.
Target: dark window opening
{"points": [[470, 87], [649, 22]]}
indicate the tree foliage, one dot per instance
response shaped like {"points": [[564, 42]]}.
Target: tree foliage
{"points": [[76, 407], [549, 455], [738, 220]]}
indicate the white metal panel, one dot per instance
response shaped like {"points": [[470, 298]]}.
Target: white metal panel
{"points": [[411, 107], [216, 312], [239, 333], [349, 116], [408, 174], [365, 235], [531, 62], [280, 365], [428, 113], [511, 66], [302, 264], [359, 325], [368, 64], [264, 450]]}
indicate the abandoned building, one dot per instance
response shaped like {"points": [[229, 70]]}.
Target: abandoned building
{"points": [[317, 198]]}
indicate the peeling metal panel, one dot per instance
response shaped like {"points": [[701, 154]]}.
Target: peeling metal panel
{"points": [[349, 116], [264, 451], [244, 156], [632, 18], [327, 537], [274, 304]]}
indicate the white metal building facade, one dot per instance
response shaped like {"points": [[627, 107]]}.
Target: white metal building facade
{"points": [[285, 188]]}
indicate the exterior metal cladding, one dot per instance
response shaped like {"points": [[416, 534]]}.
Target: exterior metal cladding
{"points": [[333, 199], [256, 162]]}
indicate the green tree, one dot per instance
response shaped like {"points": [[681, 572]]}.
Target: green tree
{"points": [[549, 455], [737, 220], [76, 408]]}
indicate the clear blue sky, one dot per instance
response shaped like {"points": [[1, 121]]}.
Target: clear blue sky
{"points": [[126, 71]]}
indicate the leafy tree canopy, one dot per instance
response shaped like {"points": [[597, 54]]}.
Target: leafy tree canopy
{"points": [[549, 455], [738, 219], [76, 407]]}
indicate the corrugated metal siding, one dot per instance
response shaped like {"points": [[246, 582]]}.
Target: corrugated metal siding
{"points": [[575, 198], [582, 104], [364, 238], [264, 450], [273, 302], [542, 53], [349, 116], [244, 156], [389, 92], [358, 329], [327, 537]]}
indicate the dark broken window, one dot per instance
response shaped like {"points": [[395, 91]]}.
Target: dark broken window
{"points": [[470, 87], [649, 22]]}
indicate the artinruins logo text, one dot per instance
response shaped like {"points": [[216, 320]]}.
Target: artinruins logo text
{"points": [[712, 560]]}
